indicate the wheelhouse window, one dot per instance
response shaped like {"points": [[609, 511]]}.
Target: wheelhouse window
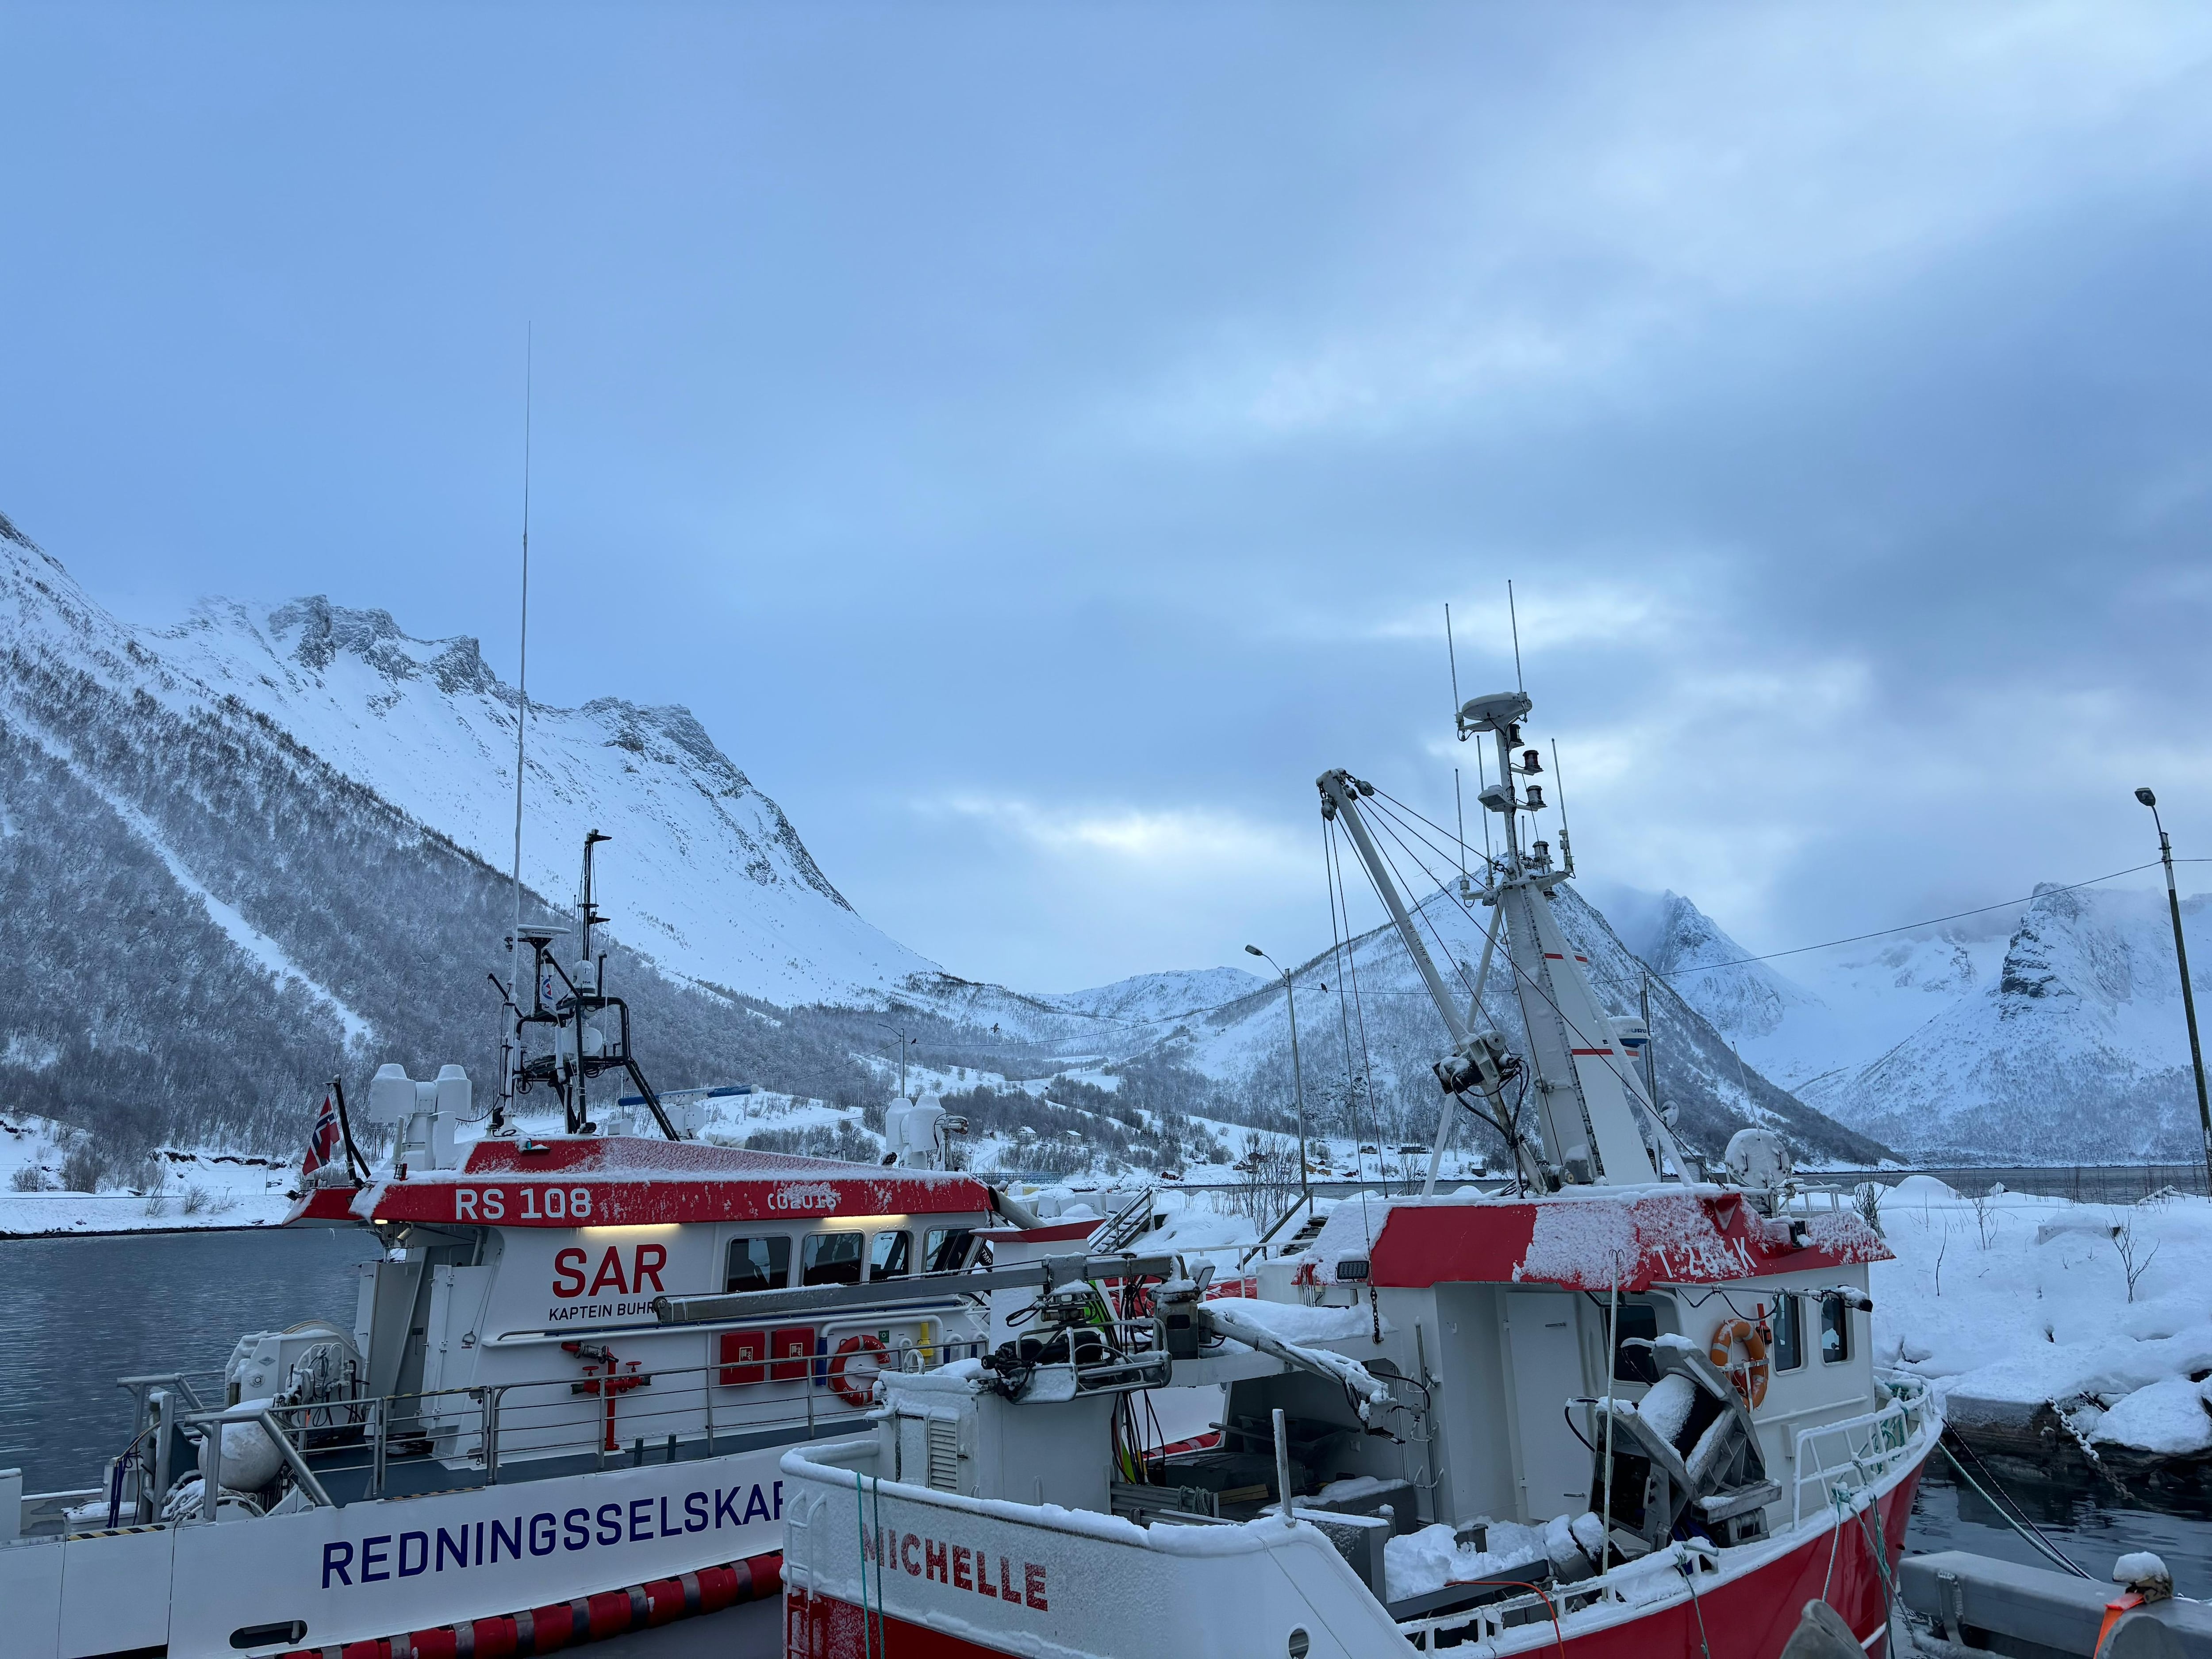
{"points": [[1835, 1330], [890, 1255], [1639, 1323], [947, 1250], [757, 1264], [831, 1258], [1789, 1323]]}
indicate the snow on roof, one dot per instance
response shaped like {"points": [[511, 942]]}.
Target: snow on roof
{"points": [[1591, 1239]]}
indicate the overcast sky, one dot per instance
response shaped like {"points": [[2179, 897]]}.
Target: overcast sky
{"points": [[1036, 440]]}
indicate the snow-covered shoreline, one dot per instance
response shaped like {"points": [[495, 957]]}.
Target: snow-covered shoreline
{"points": [[104, 1215], [2023, 1311]]}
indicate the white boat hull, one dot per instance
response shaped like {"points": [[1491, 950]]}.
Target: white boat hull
{"points": [[386, 1567]]}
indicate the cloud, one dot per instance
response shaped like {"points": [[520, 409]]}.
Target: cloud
{"points": [[1036, 444], [1185, 844]]}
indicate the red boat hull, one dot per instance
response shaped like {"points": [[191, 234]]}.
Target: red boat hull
{"points": [[1747, 1616]]}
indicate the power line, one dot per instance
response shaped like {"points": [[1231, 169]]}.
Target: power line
{"points": [[1932, 921]]}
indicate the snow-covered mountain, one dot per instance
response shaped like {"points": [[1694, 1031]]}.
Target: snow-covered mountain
{"points": [[209, 918], [269, 844], [705, 875], [2054, 1033], [2075, 1048]]}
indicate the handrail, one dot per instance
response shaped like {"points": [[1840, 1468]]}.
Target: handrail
{"points": [[562, 1425], [872, 1312], [1885, 1434], [1266, 1238], [1495, 1618], [1115, 1232]]}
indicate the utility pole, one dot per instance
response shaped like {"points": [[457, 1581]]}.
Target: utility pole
{"points": [[1298, 1072], [2188, 998], [904, 1039]]}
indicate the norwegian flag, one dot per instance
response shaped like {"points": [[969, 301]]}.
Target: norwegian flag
{"points": [[322, 1140]]}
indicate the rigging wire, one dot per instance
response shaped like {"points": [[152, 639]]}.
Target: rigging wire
{"points": [[1635, 1096], [1333, 865]]}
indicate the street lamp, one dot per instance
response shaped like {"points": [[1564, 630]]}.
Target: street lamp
{"points": [[1297, 1072], [2188, 999]]}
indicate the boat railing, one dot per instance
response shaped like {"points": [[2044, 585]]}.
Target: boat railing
{"points": [[1624, 1586], [361, 1447], [1834, 1462], [1303, 1200]]}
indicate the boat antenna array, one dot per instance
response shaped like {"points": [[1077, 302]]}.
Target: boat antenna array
{"points": [[591, 1031], [1595, 1120]]}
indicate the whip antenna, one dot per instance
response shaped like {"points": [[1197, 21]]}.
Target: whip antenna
{"points": [[1452, 656], [1514, 616], [1558, 782], [521, 720]]}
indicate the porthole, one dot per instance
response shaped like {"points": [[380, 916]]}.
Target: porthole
{"points": [[1299, 1643]]}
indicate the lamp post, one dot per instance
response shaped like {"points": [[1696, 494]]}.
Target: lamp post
{"points": [[1298, 1072], [2188, 998]]}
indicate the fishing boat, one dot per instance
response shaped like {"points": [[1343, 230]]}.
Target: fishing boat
{"points": [[499, 1448], [1622, 1404]]}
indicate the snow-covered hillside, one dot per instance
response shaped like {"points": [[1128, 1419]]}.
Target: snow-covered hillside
{"points": [[218, 920], [2055, 1033], [706, 874]]}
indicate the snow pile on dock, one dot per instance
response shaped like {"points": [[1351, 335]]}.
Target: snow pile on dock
{"points": [[2012, 1304]]}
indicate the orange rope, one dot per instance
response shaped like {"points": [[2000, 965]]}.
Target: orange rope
{"points": [[1520, 1583]]}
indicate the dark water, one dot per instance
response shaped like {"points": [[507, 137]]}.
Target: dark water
{"points": [[77, 1312], [2088, 1526]]}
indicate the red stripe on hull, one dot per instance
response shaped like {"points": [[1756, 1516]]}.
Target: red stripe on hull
{"points": [[574, 1623], [1747, 1617]]}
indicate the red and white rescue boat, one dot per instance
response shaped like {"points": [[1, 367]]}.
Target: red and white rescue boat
{"points": [[500, 1448]]}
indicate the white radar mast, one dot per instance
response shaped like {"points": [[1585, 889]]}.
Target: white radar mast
{"points": [[1590, 1113]]}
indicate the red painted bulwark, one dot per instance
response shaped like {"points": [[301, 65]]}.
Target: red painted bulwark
{"points": [[615, 1181], [1635, 1240]]}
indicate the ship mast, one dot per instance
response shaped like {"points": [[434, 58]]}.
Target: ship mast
{"points": [[1595, 1124]]}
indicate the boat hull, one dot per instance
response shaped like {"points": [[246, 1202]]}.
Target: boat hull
{"points": [[1233, 1605], [388, 1568]]}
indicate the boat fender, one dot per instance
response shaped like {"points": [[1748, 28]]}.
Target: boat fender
{"points": [[570, 1624], [250, 1459], [1821, 1633], [1750, 1378], [845, 1387]]}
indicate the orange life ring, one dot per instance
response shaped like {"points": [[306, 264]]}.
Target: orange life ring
{"points": [[1750, 1377], [846, 1390]]}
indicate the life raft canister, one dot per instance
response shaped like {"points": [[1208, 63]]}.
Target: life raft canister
{"points": [[1750, 1377], [847, 1388]]}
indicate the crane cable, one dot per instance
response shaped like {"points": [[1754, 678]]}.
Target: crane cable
{"points": [[1632, 1091]]}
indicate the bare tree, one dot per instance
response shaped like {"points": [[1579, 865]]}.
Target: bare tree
{"points": [[1866, 1198], [1267, 1174], [1942, 1250], [1985, 1215], [2134, 1261]]}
